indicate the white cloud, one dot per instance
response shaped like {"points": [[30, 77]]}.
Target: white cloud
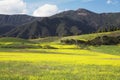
{"points": [[109, 1], [12, 7], [113, 2], [46, 10]]}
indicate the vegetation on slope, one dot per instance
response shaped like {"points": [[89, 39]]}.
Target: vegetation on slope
{"points": [[87, 37], [9, 42], [101, 40]]}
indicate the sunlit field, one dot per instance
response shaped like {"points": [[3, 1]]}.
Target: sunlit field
{"points": [[42, 59], [58, 64]]}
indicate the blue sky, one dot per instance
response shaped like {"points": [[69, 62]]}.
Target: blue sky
{"points": [[51, 7], [94, 5]]}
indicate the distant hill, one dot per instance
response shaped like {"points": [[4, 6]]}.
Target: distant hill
{"points": [[84, 37], [104, 38], [87, 37], [66, 23]]}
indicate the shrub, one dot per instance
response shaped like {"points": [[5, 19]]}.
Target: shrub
{"points": [[72, 41], [48, 47], [103, 40]]}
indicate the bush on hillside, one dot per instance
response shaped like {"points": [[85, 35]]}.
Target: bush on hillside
{"points": [[103, 40], [72, 41], [19, 46], [48, 47]]}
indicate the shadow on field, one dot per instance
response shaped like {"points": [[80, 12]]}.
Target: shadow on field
{"points": [[45, 51]]}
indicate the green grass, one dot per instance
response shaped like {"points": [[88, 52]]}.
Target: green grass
{"points": [[11, 39], [92, 36], [9, 42], [112, 49], [45, 40], [57, 71]]}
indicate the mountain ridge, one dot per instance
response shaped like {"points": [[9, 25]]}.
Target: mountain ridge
{"points": [[72, 22]]}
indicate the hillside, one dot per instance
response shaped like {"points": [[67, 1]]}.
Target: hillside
{"points": [[16, 43], [57, 39], [16, 19], [87, 37], [84, 37], [68, 23], [52, 44], [9, 22], [55, 43]]}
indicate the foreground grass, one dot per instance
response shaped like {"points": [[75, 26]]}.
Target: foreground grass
{"points": [[57, 71], [58, 64]]}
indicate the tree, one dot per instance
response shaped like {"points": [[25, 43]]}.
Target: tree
{"points": [[61, 30], [75, 31], [45, 32]]}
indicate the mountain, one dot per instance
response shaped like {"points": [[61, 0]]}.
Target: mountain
{"points": [[72, 22], [8, 22], [16, 19], [31, 30]]}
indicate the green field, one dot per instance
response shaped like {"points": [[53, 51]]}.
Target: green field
{"points": [[41, 59]]}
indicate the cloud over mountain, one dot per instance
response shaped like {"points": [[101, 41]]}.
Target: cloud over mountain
{"points": [[12, 7], [46, 10]]}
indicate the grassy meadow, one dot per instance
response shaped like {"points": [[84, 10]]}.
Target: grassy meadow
{"points": [[41, 59]]}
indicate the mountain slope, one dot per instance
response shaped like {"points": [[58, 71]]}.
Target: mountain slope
{"points": [[9, 22], [51, 27], [31, 30], [15, 19], [67, 23]]}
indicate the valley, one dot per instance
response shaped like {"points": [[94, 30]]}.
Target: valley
{"points": [[59, 39]]}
